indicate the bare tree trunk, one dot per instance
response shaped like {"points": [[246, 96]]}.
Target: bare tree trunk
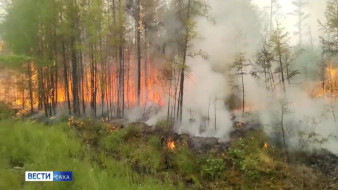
{"points": [[284, 110], [146, 59], [243, 91], [271, 14], [55, 85], [74, 77], [23, 94], [168, 111], [93, 80], [103, 71], [281, 67], [40, 102], [138, 49], [300, 21], [30, 85], [185, 49], [121, 82], [65, 74], [215, 114], [209, 110]]}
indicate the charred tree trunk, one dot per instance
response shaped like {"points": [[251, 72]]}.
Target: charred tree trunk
{"points": [[146, 61], [23, 94], [30, 85], [281, 65], [74, 77], [243, 91], [93, 80], [65, 75], [138, 49], [182, 74], [121, 82], [55, 84], [40, 86]]}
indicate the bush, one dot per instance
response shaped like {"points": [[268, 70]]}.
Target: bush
{"points": [[113, 141], [5, 111], [248, 155], [89, 130], [132, 131], [212, 168], [184, 161]]}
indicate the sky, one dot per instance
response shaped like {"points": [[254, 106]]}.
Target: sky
{"points": [[314, 8]]}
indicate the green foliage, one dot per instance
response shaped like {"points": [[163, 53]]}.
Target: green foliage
{"points": [[135, 160], [213, 168], [143, 156], [112, 142], [90, 130], [5, 111], [249, 156], [163, 125], [14, 61], [146, 158], [32, 146], [132, 131], [184, 161]]}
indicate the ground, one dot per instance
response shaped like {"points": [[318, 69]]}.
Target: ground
{"points": [[103, 156]]}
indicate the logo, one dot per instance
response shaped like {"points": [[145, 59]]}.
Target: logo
{"points": [[48, 176]]}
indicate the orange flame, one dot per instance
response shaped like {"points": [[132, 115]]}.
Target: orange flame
{"points": [[107, 85], [328, 87], [150, 89], [239, 124], [266, 145], [171, 145]]}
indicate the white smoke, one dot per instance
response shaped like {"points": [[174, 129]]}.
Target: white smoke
{"points": [[238, 28]]}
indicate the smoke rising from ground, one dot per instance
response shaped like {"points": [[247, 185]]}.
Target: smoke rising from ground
{"points": [[237, 28]]}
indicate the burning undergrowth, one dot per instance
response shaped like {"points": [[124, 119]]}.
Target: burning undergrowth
{"points": [[249, 157]]}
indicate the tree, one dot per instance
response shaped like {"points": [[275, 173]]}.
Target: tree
{"points": [[329, 42], [187, 11], [274, 8], [301, 18], [284, 110], [240, 68], [263, 64], [280, 48]]}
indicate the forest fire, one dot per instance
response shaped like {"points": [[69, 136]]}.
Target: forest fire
{"points": [[100, 90], [266, 145], [239, 124], [329, 86], [171, 144], [150, 89]]}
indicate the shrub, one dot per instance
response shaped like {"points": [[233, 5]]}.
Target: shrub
{"points": [[212, 168], [88, 129], [112, 142], [184, 161], [247, 155], [5, 111], [132, 131]]}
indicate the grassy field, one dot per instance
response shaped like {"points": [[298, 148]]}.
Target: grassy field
{"points": [[29, 146], [103, 157]]}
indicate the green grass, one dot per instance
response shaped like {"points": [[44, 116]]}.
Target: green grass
{"points": [[103, 157], [29, 146]]}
